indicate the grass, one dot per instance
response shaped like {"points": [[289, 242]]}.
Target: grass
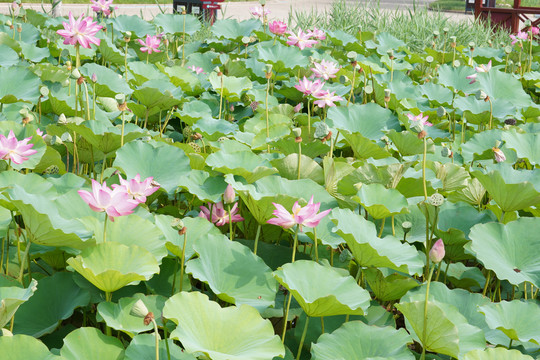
{"points": [[460, 5]]}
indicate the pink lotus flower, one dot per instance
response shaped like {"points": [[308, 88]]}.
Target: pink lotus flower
{"points": [[39, 132], [103, 6], [115, 202], [80, 31], [277, 27], [309, 87], [150, 45], [302, 40], [138, 189], [479, 69], [534, 30], [196, 69], [14, 150], [229, 195], [326, 98], [522, 35], [325, 70], [259, 11], [298, 107], [302, 216], [317, 33], [436, 254], [220, 216], [419, 118], [499, 155]]}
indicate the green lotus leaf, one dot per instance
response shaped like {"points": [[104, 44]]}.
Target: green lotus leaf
{"points": [[388, 285], [244, 163], [159, 94], [111, 53], [12, 295], [6, 39], [221, 333], [381, 202], [335, 293], [153, 159], [309, 168], [281, 57], [213, 129], [89, 343], [233, 272], [369, 250], [60, 102], [24, 347], [133, 23], [109, 83], [526, 145], [341, 38], [117, 315], [478, 111], [441, 334], [408, 143], [18, 84], [369, 120], [473, 193], [193, 111], [356, 340], [453, 177], [509, 249], [184, 78], [385, 42], [235, 30], [205, 187], [365, 148], [325, 233], [496, 354], [34, 53], [465, 277], [9, 57], [23, 132], [143, 347], [401, 89], [142, 72], [111, 266], [177, 24], [511, 189], [455, 78], [499, 85], [60, 295], [438, 93], [517, 319], [233, 87]]}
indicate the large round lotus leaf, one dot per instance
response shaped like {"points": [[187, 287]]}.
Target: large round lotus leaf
{"points": [[408, 143], [365, 148], [89, 343], [282, 57], [441, 334], [183, 78], [324, 232], [111, 53], [60, 295], [108, 83], [233, 272], [130, 230], [455, 78], [166, 163], [517, 319], [143, 347], [332, 293], [202, 185], [388, 285], [370, 250], [480, 145], [500, 85], [158, 93], [18, 84], [142, 72], [9, 56], [309, 168], [511, 189], [244, 163], [384, 42], [238, 333], [24, 347], [117, 316], [177, 24], [381, 202], [232, 86], [213, 129], [510, 250], [22, 132], [12, 295], [527, 145], [452, 176], [357, 341], [111, 266], [478, 111], [496, 354], [133, 23], [193, 111], [369, 120], [233, 29]]}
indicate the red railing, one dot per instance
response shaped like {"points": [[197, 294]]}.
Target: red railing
{"points": [[508, 18]]}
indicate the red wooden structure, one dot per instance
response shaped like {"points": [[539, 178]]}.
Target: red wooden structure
{"points": [[508, 18]]}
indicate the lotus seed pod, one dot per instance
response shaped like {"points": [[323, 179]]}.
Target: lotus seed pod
{"points": [[445, 30], [436, 34], [445, 152], [246, 40], [387, 93], [75, 74], [62, 119], [177, 223], [406, 226], [352, 55], [195, 147], [196, 136], [481, 95], [139, 309], [44, 91], [66, 137], [441, 111], [510, 121], [457, 63], [345, 256], [187, 132], [429, 59], [223, 138], [321, 130], [297, 132], [453, 39], [436, 254], [436, 199], [120, 98], [51, 170], [471, 45]]}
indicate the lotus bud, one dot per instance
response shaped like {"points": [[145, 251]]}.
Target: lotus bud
{"points": [[298, 107], [436, 254], [499, 155], [406, 226], [229, 195], [94, 78], [436, 199], [62, 119], [55, 140], [44, 91], [139, 309], [441, 111], [422, 134]]}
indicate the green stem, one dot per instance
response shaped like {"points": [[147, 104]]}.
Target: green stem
{"points": [[231, 233], [382, 227], [302, 338], [105, 228], [220, 98], [487, 283], [174, 276], [125, 62], [308, 120], [299, 158], [183, 262], [295, 242], [285, 317], [315, 241], [123, 124], [166, 336], [393, 226], [424, 329], [322, 324], [94, 102], [156, 335], [108, 298], [24, 261], [257, 239], [424, 168], [267, 114], [146, 118], [77, 56], [87, 102]]}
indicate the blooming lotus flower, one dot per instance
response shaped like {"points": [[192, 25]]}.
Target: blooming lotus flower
{"points": [[150, 45], [419, 120], [325, 70], [220, 216], [436, 254], [499, 155], [80, 31], [303, 216], [138, 189], [14, 150], [115, 202], [277, 27], [103, 6], [196, 69], [534, 30], [259, 11], [326, 98], [317, 33], [479, 69], [309, 87], [522, 35], [302, 40], [39, 132]]}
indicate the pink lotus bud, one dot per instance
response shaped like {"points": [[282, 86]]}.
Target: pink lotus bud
{"points": [[436, 254], [499, 155], [229, 195], [94, 78]]}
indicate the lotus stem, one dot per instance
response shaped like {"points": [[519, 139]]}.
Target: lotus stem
{"points": [[382, 227], [322, 324], [530, 48], [183, 261], [490, 113], [166, 336], [87, 102], [75, 153], [257, 239], [299, 158], [174, 276], [147, 56], [231, 233], [123, 125], [125, 62], [146, 118], [267, 115], [105, 228], [108, 298], [315, 241], [285, 317], [484, 292], [352, 87], [295, 242], [303, 338], [24, 262], [183, 39], [77, 56], [308, 120], [424, 330], [502, 216], [424, 168], [93, 101], [393, 226], [156, 335]]}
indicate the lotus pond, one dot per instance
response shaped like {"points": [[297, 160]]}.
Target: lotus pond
{"points": [[264, 194]]}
